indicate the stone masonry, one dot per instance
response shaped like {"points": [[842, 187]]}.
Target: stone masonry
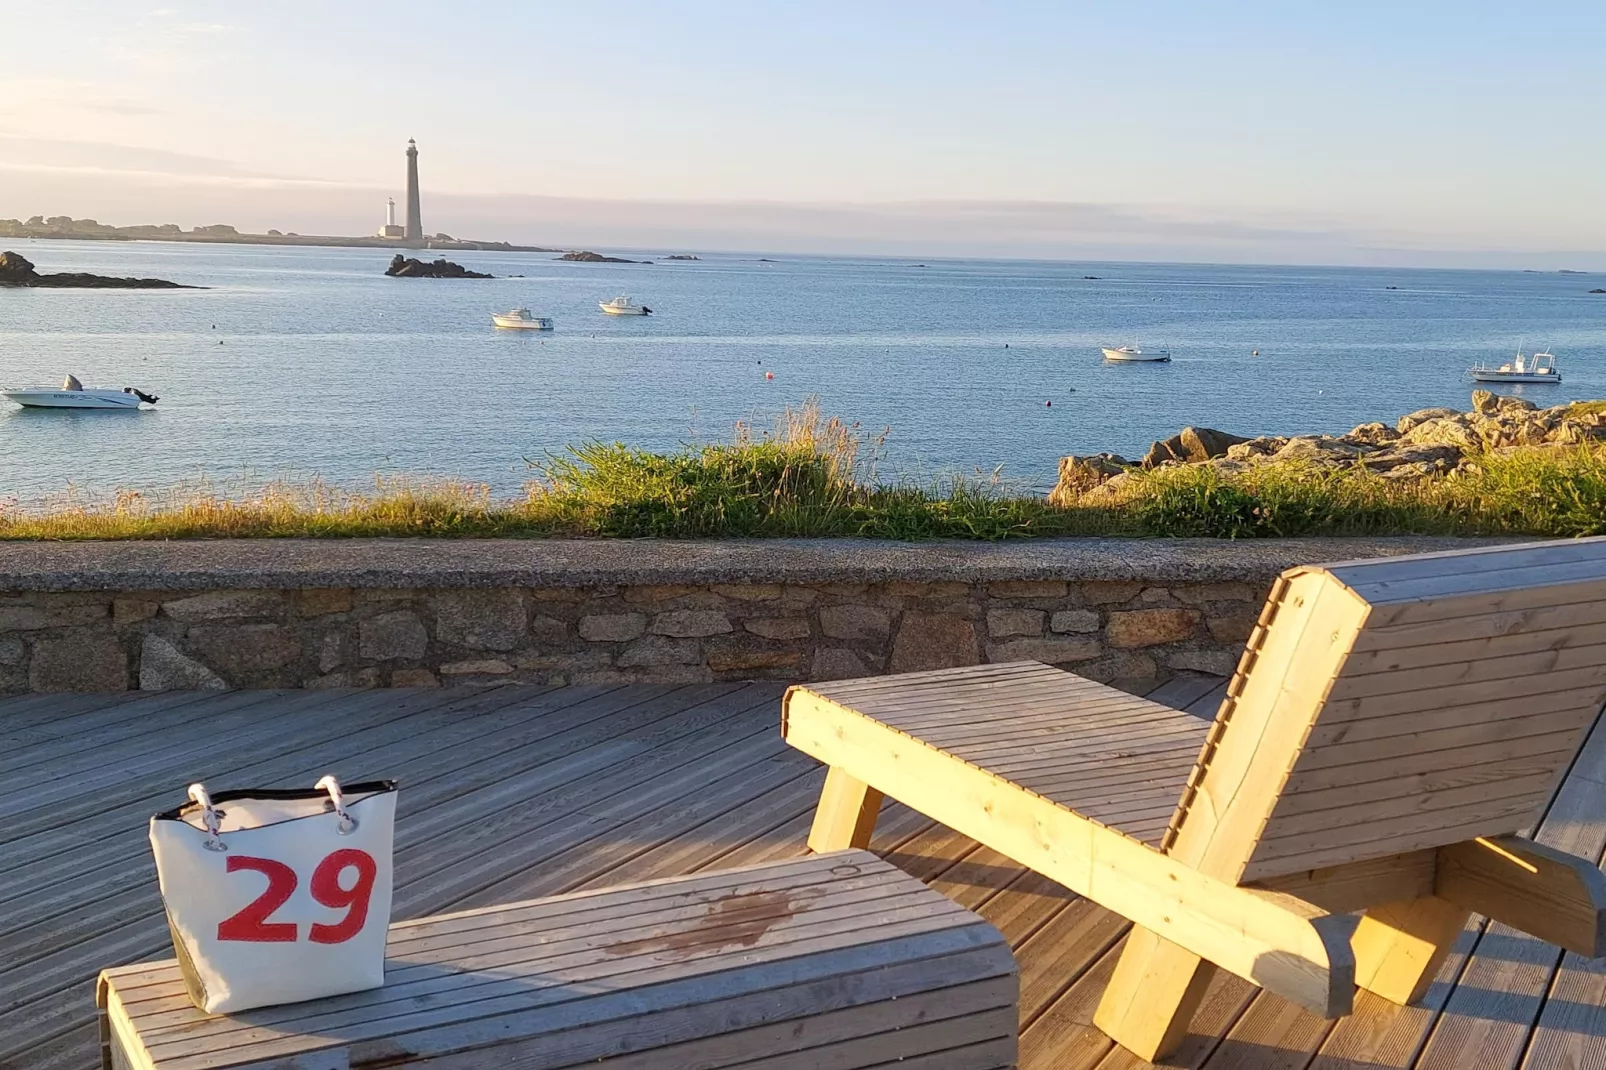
{"points": [[100, 627]]}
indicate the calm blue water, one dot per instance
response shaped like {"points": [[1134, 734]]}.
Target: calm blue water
{"points": [[328, 368]]}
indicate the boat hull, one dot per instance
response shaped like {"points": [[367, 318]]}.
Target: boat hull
{"points": [[615, 310], [47, 398], [1127, 357], [535, 323], [1516, 377]]}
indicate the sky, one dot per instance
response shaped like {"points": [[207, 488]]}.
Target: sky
{"points": [[1408, 132]]}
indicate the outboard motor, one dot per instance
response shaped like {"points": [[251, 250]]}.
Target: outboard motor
{"points": [[149, 399]]}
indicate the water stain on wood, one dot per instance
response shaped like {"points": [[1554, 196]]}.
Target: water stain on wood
{"points": [[737, 920]]}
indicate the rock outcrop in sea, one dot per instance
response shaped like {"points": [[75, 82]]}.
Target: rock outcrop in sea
{"points": [[1420, 445], [409, 267], [18, 270], [585, 256]]}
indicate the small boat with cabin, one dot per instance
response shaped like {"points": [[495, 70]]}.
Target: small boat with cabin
{"points": [[1537, 367], [74, 395], [520, 319], [1134, 354], [623, 306]]}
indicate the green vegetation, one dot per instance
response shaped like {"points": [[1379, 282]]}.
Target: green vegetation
{"points": [[806, 477]]}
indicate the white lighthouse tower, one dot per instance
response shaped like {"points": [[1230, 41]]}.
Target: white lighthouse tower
{"points": [[391, 229]]}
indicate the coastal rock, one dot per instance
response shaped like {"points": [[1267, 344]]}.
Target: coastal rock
{"points": [[1318, 449], [1489, 403], [1419, 458], [681, 256], [17, 270], [1597, 290], [585, 256], [1256, 448], [1455, 430], [408, 267], [1422, 416], [1191, 445], [1078, 475], [1372, 434]]}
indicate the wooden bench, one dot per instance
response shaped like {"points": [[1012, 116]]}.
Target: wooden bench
{"points": [[836, 960], [1391, 727]]}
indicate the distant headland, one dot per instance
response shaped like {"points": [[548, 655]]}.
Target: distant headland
{"points": [[66, 227]]}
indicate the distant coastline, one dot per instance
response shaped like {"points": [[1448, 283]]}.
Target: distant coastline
{"points": [[67, 228]]}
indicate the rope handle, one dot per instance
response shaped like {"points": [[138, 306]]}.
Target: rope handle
{"points": [[348, 824], [210, 816]]}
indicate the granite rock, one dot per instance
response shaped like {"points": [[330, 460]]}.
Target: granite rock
{"points": [[1151, 627], [855, 622], [164, 667], [86, 661], [398, 634], [480, 620], [691, 623], [612, 627], [934, 641]]}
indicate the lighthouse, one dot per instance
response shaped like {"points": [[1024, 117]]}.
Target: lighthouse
{"points": [[415, 223], [390, 229]]}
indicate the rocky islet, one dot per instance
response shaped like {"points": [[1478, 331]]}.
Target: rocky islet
{"points": [[18, 270]]}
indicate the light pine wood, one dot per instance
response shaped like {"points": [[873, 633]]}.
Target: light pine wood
{"points": [[1399, 946], [1558, 897], [1354, 886], [1274, 940], [846, 815], [1152, 995], [1273, 702]]}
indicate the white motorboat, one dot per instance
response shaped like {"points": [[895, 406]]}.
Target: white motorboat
{"points": [[623, 306], [74, 395], [520, 318], [1133, 353], [1537, 367]]}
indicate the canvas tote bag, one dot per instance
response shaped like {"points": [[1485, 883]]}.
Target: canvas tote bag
{"points": [[278, 896]]}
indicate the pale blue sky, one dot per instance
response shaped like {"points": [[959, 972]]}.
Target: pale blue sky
{"points": [[1357, 132]]}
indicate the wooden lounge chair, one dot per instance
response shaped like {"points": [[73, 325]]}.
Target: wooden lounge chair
{"points": [[1391, 726]]}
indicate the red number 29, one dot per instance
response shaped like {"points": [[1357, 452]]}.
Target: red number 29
{"points": [[251, 922]]}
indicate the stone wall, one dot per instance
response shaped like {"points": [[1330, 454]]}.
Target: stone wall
{"points": [[331, 616]]}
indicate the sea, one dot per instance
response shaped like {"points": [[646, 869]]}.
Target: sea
{"points": [[299, 363]]}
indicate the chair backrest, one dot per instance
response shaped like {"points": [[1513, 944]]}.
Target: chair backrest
{"points": [[1396, 704]]}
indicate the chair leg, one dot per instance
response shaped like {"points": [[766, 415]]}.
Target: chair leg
{"points": [[1151, 998], [846, 815], [1400, 946]]}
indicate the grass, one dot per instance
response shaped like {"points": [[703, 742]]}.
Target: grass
{"points": [[811, 476]]}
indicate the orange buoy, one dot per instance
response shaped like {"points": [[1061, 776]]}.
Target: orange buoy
{"points": [[769, 375]]}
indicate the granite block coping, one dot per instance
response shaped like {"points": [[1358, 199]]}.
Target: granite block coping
{"points": [[240, 564]]}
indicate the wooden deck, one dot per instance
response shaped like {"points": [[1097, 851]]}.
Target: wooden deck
{"points": [[510, 793]]}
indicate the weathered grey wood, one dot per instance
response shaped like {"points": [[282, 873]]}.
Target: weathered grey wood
{"points": [[760, 967], [124, 942], [1049, 932]]}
